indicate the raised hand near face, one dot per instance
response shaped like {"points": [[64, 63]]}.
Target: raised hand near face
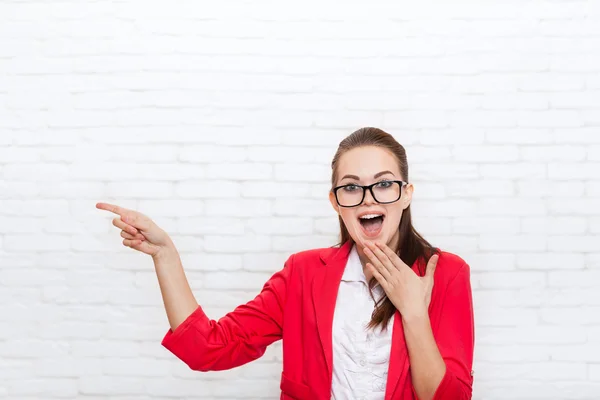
{"points": [[410, 293]]}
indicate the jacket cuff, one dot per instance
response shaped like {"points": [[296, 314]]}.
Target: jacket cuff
{"points": [[445, 384], [172, 337]]}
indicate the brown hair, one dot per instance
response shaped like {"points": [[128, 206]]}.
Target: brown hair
{"points": [[412, 246]]}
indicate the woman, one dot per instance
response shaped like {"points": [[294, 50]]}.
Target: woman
{"points": [[384, 315]]}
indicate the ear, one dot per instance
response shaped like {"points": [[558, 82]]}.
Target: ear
{"points": [[407, 195], [334, 203]]}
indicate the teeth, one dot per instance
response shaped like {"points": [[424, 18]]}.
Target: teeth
{"points": [[369, 216]]}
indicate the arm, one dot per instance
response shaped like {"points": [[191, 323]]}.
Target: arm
{"points": [[239, 337], [176, 293], [441, 367], [427, 366], [203, 344]]}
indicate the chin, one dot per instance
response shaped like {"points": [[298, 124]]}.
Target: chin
{"points": [[360, 238]]}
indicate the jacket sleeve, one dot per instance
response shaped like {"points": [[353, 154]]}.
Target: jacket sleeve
{"points": [[456, 339], [237, 338]]}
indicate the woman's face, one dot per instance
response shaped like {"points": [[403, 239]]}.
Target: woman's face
{"points": [[370, 220]]}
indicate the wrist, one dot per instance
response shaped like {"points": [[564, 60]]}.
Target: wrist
{"points": [[165, 252], [415, 317]]}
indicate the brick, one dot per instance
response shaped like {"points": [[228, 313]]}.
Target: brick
{"points": [[520, 101], [448, 208], [570, 315], [55, 387], [237, 244], [511, 207], [239, 171], [553, 153], [484, 154], [440, 172], [551, 81], [570, 170], [302, 208], [280, 226], [32, 172], [554, 225], [237, 280], [140, 189], [575, 207], [208, 189], [501, 225], [477, 189], [302, 242], [573, 279], [520, 135], [412, 119], [511, 279], [111, 385], [551, 261], [300, 173], [514, 171], [238, 207], [585, 135], [212, 154], [20, 224], [573, 243], [36, 242], [275, 189], [267, 262], [549, 188], [429, 225], [514, 243], [451, 137], [210, 225], [592, 189]]}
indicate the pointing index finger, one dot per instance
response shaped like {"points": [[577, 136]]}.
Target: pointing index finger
{"points": [[111, 207]]}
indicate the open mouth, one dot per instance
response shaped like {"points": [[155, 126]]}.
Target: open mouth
{"points": [[371, 223]]}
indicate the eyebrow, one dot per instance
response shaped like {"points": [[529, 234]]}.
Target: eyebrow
{"points": [[377, 175]]}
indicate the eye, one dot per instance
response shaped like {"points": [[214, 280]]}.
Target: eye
{"points": [[384, 184], [350, 188]]}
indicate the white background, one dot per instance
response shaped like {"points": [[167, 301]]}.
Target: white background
{"points": [[219, 120]]}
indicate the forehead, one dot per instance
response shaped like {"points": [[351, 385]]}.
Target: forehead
{"points": [[366, 161]]}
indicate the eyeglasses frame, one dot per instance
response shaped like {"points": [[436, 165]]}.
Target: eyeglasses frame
{"points": [[370, 188]]}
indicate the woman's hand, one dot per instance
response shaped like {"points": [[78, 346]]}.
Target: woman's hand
{"points": [[138, 231], [410, 293]]}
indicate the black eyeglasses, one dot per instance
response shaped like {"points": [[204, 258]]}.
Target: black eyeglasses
{"points": [[383, 192]]}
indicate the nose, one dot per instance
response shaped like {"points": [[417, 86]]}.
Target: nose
{"points": [[368, 200]]}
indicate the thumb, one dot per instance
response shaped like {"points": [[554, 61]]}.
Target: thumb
{"points": [[431, 265], [143, 246]]}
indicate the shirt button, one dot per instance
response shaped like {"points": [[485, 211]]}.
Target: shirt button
{"points": [[363, 363]]}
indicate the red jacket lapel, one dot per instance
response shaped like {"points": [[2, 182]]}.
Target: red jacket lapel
{"points": [[324, 292]]}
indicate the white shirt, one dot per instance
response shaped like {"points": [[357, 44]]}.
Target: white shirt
{"points": [[360, 355]]}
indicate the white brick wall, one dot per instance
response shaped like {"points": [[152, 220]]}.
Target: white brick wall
{"points": [[219, 120]]}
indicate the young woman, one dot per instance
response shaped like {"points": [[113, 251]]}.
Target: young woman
{"points": [[382, 315]]}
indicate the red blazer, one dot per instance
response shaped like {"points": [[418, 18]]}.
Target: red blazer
{"points": [[297, 303]]}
